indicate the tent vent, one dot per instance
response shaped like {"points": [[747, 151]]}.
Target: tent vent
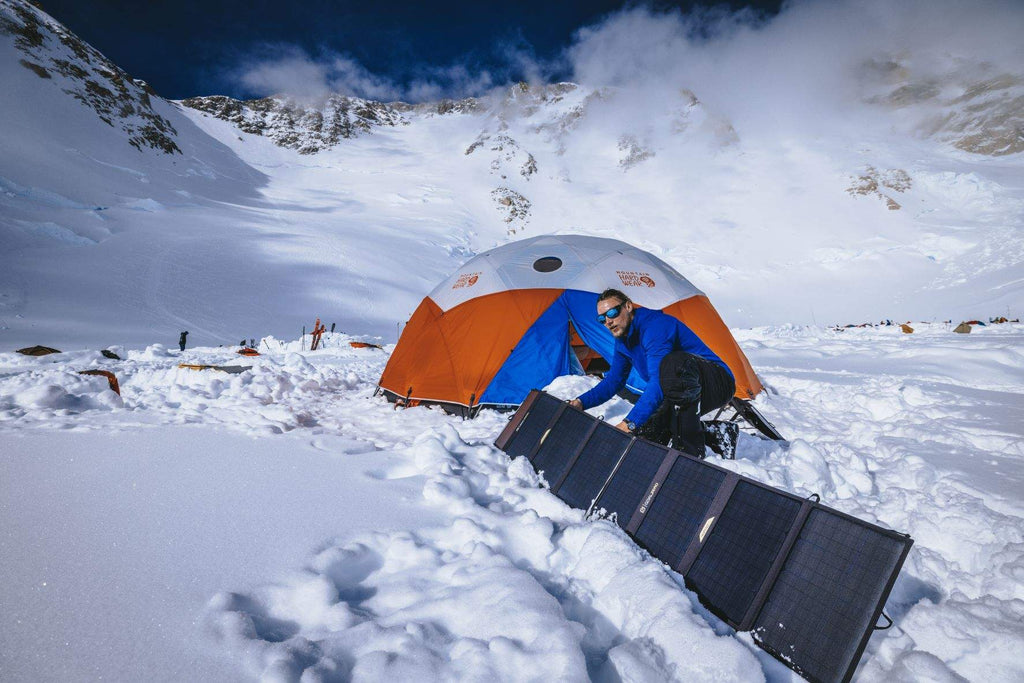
{"points": [[547, 264]]}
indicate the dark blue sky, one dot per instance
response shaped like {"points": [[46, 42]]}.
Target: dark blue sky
{"points": [[185, 48]]}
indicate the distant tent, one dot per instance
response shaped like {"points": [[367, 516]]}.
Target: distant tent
{"points": [[37, 351], [963, 328], [514, 318], [907, 329]]}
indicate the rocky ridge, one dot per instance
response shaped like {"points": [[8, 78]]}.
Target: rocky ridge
{"points": [[52, 52], [306, 127], [973, 107]]}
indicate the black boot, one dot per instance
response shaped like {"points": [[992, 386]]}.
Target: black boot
{"points": [[721, 437], [688, 431]]}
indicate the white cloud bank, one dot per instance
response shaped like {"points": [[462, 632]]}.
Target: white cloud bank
{"points": [[810, 62], [812, 65]]}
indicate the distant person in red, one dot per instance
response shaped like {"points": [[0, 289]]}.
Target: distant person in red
{"points": [[181, 340], [685, 379]]}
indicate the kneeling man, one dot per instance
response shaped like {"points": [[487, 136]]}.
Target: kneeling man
{"points": [[685, 379]]}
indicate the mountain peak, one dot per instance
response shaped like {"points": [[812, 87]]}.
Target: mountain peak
{"points": [[54, 53]]}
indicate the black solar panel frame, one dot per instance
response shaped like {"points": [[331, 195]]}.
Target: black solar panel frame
{"points": [[876, 612], [705, 531]]}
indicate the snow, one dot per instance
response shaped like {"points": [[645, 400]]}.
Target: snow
{"points": [[286, 523]]}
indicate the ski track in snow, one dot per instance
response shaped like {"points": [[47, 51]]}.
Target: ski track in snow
{"points": [[918, 432]]}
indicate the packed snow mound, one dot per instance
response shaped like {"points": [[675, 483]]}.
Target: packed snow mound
{"points": [[516, 587]]}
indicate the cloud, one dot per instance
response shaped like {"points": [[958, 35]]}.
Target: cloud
{"points": [[453, 81], [289, 70], [806, 66]]}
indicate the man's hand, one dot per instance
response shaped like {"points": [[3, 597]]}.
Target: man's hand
{"points": [[576, 403], [622, 426]]}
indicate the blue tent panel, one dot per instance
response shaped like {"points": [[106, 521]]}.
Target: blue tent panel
{"points": [[583, 313], [543, 354], [545, 351]]}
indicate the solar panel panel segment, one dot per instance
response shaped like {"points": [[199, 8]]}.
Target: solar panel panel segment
{"points": [[540, 409], [631, 481], [592, 469], [741, 548], [824, 604], [678, 509], [561, 443]]}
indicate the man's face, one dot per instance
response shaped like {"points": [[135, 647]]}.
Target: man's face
{"points": [[618, 324]]}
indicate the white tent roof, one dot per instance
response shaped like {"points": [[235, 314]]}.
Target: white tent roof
{"points": [[590, 264]]}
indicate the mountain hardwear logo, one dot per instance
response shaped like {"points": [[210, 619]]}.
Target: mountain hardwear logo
{"points": [[632, 278], [466, 280]]}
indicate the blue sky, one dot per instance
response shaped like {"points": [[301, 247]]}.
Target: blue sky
{"points": [[409, 49]]}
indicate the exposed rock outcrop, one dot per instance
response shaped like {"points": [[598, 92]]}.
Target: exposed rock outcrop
{"points": [[307, 128], [118, 100]]}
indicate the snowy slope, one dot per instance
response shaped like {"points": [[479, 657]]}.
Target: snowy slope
{"points": [[289, 209]]}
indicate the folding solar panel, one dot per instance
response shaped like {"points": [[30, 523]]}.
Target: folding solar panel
{"points": [[587, 476], [831, 590], [810, 581], [630, 482]]}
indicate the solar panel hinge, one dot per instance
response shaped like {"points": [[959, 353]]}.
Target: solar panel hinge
{"points": [[711, 516], [652, 491]]}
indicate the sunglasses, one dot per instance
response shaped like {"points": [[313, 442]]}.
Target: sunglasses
{"points": [[610, 313]]}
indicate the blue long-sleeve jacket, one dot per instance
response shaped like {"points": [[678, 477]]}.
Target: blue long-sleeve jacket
{"points": [[651, 336]]}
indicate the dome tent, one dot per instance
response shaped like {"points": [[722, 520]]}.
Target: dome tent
{"points": [[516, 317]]}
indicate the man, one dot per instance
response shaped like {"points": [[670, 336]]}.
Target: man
{"points": [[685, 379]]}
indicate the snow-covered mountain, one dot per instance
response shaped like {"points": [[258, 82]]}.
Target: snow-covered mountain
{"points": [[911, 209]]}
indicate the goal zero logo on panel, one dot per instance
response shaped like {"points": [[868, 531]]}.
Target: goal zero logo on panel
{"points": [[650, 496]]}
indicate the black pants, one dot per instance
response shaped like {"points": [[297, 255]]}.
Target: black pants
{"points": [[693, 386]]}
